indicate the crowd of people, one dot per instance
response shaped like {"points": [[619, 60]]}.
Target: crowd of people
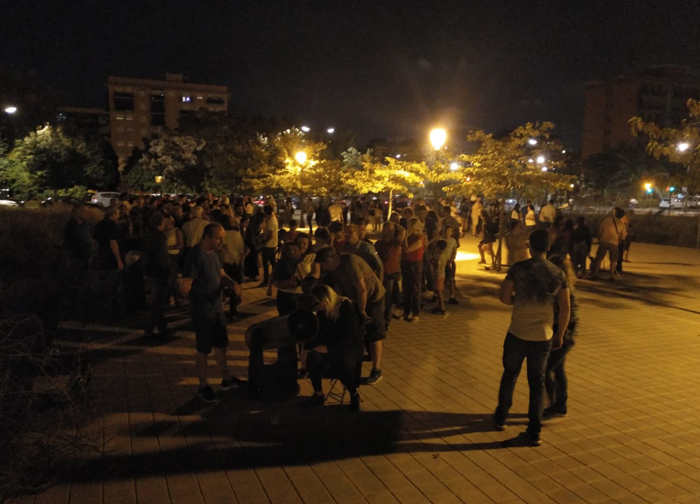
{"points": [[205, 249]]}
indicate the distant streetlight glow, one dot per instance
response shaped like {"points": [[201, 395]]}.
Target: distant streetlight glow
{"points": [[647, 186], [572, 186], [532, 141], [10, 110], [331, 130], [305, 129], [398, 156], [159, 179], [563, 151], [530, 160], [454, 166], [540, 159], [682, 147], [300, 157], [544, 168], [438, 137]]}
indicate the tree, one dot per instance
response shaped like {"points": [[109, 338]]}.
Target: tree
{"points": [[623, 170], [294, 173], [172, 157], [510, 165], [393, 177], [680, 144], [49, 160]]}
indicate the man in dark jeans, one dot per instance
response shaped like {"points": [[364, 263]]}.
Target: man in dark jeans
{"points": [[531, 287]]}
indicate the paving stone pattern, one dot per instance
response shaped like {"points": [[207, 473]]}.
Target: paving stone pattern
{"points": [[424, 434]]}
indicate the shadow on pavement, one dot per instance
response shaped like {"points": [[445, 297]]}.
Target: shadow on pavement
{"points": [[273, 434]]}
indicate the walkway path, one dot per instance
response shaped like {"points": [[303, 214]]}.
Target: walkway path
{"points": [[424, 435]]}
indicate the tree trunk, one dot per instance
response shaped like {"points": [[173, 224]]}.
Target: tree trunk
{"points": [[391, 200]]}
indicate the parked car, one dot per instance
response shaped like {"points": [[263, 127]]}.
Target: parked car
{"points": [[667, 203], [9, 203], [102, 198]]}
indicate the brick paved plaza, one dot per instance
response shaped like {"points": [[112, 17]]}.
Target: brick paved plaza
{"points": [[632, 434]]}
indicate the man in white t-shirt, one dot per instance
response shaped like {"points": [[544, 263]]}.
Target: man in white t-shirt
{"points": [[547, 214], [193, 229], [336, 212], [531, 288], [269, 250]]}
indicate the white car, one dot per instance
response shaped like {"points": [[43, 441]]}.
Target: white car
{"points": [[102, 198], [666, 203], [8, 203]]}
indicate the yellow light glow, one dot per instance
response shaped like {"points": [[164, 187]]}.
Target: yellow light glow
{"points": [[438, 137], [300, 157], [466, 256], [647, 186], [159, 179]]}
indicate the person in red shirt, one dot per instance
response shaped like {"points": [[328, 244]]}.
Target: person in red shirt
{"points": [[389, 250], [412, 269]]}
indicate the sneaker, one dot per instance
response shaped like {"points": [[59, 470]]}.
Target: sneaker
{"points": [[206, 394], [374, 376], [554, 412], [453, 301], [415, 318], [498, 425], [316, 400], [533, 439], [355, 402], [233, 383], [437, 311]]}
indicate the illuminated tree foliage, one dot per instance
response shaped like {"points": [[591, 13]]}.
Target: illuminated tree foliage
{"points": [[509, 165], [680, 144]]}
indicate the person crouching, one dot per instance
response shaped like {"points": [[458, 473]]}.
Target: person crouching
{"points": [[338, 349]]}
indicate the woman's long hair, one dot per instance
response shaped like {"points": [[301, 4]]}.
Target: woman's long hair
{"points": [[562, 262], [330, 298]]}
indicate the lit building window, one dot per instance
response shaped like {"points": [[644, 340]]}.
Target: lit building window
{"points": [[120, 143], [186, 99], [129, 144], [120, 117], [200, 97], [129, 118]]}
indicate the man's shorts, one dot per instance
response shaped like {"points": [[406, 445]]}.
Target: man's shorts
{"points": [[449, 271], [439, 284], [210, 332], [376, 330]]}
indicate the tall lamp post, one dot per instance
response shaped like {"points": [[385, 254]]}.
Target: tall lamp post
{"points": [[438, 137]]}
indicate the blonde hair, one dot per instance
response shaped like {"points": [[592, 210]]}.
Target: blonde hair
{"points": [[330, 298]]}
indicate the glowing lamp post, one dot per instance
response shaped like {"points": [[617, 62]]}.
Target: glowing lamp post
{"points": [[300, 157], [11, 109], [438, 137]]}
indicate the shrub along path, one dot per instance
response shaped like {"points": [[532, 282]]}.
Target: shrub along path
{"points": [[424, 434]]}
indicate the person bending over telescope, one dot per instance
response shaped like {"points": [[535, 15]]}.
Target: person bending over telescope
{"points": [[337, 350]]}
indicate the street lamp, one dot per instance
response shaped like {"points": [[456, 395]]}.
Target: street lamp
{"points": [[681, 147], [438, 137], [10, 109], [454, 166], [532, 141], [544, 168], [300, 157], [540, 160], [330, 131], [305, 129]]}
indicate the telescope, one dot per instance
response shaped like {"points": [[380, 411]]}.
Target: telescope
{"points": [[278, 381]]}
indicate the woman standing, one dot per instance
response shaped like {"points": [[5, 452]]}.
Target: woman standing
{"points": [[251, 265], [476, 216], [555, 381], [338, 348], [414, 246], [490, 231], [530, 219]]}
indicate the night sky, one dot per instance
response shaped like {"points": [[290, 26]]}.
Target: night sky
{"points": [[382, 68]]}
